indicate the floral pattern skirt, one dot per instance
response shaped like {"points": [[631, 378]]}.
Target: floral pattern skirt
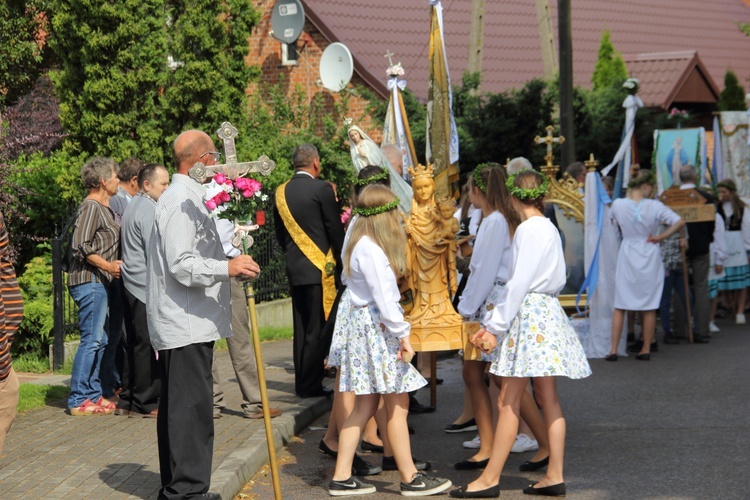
{"points": [[485, 309], [540, 343], [366, 353]]}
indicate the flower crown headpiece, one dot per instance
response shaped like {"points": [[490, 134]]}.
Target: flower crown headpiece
{"points": [[370, 211], [372, 179], [728, 185], [645, 179], [476, 175], [526, 193]]}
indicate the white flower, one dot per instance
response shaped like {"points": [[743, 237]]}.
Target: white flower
{"points": [[263, 197]]}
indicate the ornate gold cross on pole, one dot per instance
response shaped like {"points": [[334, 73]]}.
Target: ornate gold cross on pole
{"points": [[549, 140], [232, 168], [591, 163]]}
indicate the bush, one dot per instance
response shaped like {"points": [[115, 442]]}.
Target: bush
{"points": [[35, 333]]}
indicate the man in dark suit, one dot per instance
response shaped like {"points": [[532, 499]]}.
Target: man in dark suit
{"points": [[309, 230]]}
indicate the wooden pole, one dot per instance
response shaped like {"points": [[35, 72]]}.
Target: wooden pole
{"points": [[266, 406], [687, 287], [568, 150], [407, 129], [476, 38]]}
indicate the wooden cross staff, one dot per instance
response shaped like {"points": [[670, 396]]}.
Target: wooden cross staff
{"points": [[549, 140], [234, 169]]}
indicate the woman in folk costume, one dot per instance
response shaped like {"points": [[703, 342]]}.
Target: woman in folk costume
{"points": [[639, 277], [365, 152], [529, 335], [737, 237], [373, 362]]}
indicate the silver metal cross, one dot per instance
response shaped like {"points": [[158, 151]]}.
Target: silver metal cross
{"points": [[549, 140], [232, 168]]}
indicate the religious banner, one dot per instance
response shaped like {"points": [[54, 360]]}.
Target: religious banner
{"points": [[396, 128], [735, 151], [675, 148], [442, 135]]}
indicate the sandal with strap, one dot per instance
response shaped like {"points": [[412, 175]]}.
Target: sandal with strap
{"points": [[89, 408], [107, 405]]}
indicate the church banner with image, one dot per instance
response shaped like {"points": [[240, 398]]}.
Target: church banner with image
{"points": [[677, 147], [735, 149]]}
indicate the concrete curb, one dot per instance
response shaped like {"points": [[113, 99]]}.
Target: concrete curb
{"points": [[241, 465]]}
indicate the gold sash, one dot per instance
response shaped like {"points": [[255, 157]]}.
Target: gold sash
{"points": [[326, 263]]}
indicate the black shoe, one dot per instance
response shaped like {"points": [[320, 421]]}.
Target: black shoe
{"points": [[611, 357], [211, 496], [424, 485], [438, 381], [671, 340], [700, 340], [417, 407], [471, 464], [635, 346], [362, 468], [389, 463], [323, 448], [492, 492], [530, 466], [371, 447], [323, 392], [556, 490], [468, 426], [643, 357], [350, 487]]}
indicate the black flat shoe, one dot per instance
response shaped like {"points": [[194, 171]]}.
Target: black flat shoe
{"points": [[438, 381], [643, 357], [468, 426], [417, 407], [556, 490], [611, 357], [371, 447], [492, 492], [530, 466], [323, 448], [389, 463], [471, 464], [362, 468]]}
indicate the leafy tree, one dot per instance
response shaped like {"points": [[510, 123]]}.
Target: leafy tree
{"points": [[610, 68], [22, 51], [113, 65], [732, 98]]}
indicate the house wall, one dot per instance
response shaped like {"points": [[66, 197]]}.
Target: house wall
{"points": [[266, 53]]}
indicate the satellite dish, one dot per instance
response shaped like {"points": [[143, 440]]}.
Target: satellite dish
{"points": [[287, 20], [336, 67]]}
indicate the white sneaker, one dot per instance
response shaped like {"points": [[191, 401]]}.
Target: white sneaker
{"points": [[713, 328], [474, 444], [740, 319], [523, 444]]}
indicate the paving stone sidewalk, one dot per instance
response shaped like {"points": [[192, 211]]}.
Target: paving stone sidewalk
{"points": [[49, 454]]}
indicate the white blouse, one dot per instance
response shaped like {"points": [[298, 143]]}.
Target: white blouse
{"points": [[538, 266], [371, 281], [491, 261], [744, 228]]}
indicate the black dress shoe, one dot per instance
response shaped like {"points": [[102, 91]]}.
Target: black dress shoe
{"points": [[323, 448], [389, 463], [417, 407], [362, 468], [529, 466], [556, 490], [468, 426], [611, 357], [471, 464], [323, 392], [371, 447], [643, 357], [492, 492]]}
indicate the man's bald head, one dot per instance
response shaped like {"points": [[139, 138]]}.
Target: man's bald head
{"points": [[188, 149]]}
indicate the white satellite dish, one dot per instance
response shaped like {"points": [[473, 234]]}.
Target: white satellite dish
{"points": [[336, 67]]}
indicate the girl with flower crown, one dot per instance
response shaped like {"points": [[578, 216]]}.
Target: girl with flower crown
{"points": [[529, 335], [373, 361]]}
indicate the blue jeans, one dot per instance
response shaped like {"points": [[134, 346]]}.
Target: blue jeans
{"points": [[673, 281], [92, 300]]}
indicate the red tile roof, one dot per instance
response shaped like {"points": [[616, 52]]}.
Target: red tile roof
{"points": [[512, 49], [664, 76]]}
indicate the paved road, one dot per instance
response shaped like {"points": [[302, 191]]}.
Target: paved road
{"points": [[674, 427]]}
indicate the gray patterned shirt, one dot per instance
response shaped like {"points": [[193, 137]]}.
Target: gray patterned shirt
{"points": [[188, 295]]}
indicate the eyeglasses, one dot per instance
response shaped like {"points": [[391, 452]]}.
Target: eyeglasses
{"points": [[216, 154]]}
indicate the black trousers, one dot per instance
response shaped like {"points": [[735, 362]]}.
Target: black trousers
{"points": [[141, 384], [311, 342], [185, 426]]}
